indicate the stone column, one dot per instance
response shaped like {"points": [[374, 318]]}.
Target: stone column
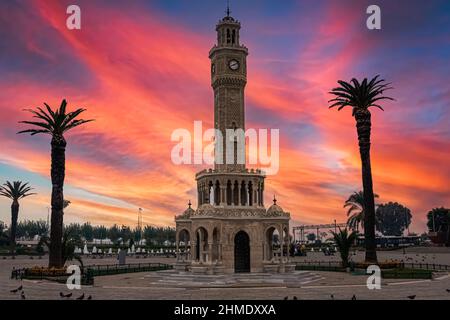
{"points": [[177, 239], [209, 253], [247, 194], [223, 194], [239, 194], [232, 194], [264, 250], [194, 250]]}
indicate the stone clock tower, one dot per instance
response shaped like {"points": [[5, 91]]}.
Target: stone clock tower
{"points": [[228, 80], [231, 230]]}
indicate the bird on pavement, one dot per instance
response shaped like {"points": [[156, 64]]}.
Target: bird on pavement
{"points": [[62, 295], [295, 298], [332, 297], [81, 297], [285, 298], [412, 297], [89, 297], [22, 295], [448, 290], [354, 297], [16, 290]]}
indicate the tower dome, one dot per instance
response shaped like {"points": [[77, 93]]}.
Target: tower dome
{"points": [[188, 212], [275, 210]]}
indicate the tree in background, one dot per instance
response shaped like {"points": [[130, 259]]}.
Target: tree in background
{"points": [[438, 220], [311, 236], [113, 233], [15, 191], [87, 232], [30, 228], [4, 240], [100, 232], [344, 241], [392, 218], [355, 212]]}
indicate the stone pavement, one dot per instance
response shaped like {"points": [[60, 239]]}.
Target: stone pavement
{"points": [[151, 285]]}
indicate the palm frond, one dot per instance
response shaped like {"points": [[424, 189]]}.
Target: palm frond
{"points": [[16, 190], [359, 95], [54, 122]]}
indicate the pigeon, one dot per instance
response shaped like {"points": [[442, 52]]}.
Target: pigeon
{"points": [[448, 290], [22, 295], [295, 298], [412, 297], [89, 297], [354, 297], [285, 298], [16, 290], [62, 295], [332, 297], [81, 297]]}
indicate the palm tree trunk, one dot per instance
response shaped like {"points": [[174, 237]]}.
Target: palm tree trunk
{"points": [[363, 126], [13, 230], [57, 173]]}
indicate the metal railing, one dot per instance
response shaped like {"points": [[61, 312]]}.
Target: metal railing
{"points": [[426, 266], [109, 269], [321, 265], [88, 272]]}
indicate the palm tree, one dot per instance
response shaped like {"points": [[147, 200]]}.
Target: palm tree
{"points": [[344, 242], [69, 242], [355, 211], [362, 96], [56, 123], [15, 191]]}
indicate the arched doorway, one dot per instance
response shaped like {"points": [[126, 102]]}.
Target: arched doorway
{"points": [[201, 248], [241, 252]]}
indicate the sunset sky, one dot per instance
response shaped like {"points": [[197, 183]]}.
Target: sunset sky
{"points": [[141, 68]]}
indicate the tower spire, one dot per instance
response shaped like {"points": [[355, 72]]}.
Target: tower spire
{"points": [[228, 8]]}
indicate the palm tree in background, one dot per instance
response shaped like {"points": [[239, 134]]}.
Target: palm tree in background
{"points": [[55, 123], [355, 212], [344, 241], [15, 191], [362, 96]]}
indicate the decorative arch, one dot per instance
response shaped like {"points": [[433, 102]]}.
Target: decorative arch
{"points": [[201, 244]]}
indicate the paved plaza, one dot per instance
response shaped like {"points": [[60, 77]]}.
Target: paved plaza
{"points": [[302, 284]]}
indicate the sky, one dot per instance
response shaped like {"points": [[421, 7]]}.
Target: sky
{"points": [[141, 70]]}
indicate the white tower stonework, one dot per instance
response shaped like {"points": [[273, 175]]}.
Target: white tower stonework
{"points": [[235, 232]]}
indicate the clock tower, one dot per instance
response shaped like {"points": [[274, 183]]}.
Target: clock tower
{"points": [[231, 230], [228, 79]]}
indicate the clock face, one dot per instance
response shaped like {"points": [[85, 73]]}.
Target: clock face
{"points": [[233, 64]]}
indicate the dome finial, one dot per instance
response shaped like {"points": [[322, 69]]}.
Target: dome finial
{"points": [[189, 204], [274, 200]]}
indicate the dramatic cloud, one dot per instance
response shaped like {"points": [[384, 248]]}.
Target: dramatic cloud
{"points": [[142, 70]]}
